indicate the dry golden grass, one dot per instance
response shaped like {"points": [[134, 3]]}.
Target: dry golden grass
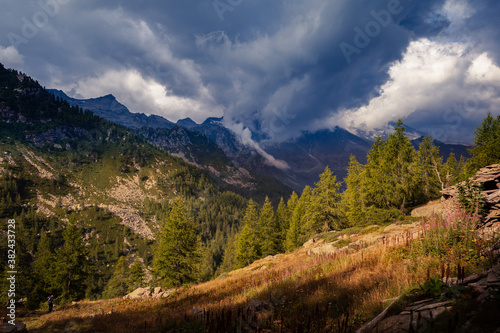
{"points": [[297, 292]]}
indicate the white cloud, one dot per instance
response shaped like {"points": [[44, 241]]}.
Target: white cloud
{"points": [[143, 95], [10, 57], [245, 136], [434, 80]]}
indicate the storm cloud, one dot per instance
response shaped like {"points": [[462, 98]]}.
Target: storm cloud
{"points": [[272, 69]]}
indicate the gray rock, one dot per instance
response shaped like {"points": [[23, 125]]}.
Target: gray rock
{"points": [[139, 293], [472, 278]]}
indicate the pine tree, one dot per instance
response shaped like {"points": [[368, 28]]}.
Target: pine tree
{"points": [[374, 181], [353, 196], [398, 156], [71, 265], [43, 272], [451, 171], [290, 206], [249, 240], [486, 144], [283, 224], [269, 230], [177, 254], [429, 164], [118, 283], [296, 230], [136, 276], [322, 212], [229, 258]]}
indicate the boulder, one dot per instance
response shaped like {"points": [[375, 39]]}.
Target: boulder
{"points": [[139, 293], [156, 292]]}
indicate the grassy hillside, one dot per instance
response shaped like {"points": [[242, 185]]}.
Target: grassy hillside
{"points": [[307, 290], [61, 163]]}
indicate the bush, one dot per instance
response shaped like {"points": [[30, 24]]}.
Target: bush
{"points": [[451, 237]]}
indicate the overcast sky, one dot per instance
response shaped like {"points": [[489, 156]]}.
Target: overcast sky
{"points": [[277, 67]]}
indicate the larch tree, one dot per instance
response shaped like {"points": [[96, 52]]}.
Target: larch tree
{"points": [[282, 222], [430, 167], [269, 230], [322, 212], [298, 220], [353, 197], [485, 150], [118, 283], [248, 247], [177, 255]]}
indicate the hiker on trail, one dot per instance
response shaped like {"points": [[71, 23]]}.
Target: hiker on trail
{"points": [[50, 301]]}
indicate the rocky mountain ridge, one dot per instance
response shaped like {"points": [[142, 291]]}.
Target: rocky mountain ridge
{"points": [[306, 156]]}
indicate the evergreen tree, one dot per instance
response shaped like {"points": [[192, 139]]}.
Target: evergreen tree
{"points": [[352, 198], [229, 259], [374, 180], [283, 224], [451, 170], [136, 276], [429, 164], [298, 220], [43, 272], [249, 240], [269, 230], [118, 283], [398, 156], [290, 206], [486, 144], [177, 255], [71, 265], [322, 212]]}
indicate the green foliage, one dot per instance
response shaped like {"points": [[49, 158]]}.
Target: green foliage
{"points": [[486, 142], [395, 178], [283, 223], [430, 169], [269, 230], [72, 264], [249, 240], [177, 255], [118, 284], [44, 272], [229, 259], [298, 219], [451, 238], [470, 197], [136, 276], [432, 288], [352, 199], [323, 212], [451, 170]]}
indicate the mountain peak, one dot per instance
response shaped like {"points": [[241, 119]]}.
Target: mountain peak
{"points": [[187, 123], [109, 96], [213, 121]]}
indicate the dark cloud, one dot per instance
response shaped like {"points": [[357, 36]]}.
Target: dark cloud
{"points": [[277, 67]]}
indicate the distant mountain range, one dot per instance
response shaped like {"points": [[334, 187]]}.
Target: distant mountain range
{"points": [[211, 145]]}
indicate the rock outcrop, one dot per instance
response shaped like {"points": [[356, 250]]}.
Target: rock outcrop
{"points": [[147, 292], [488, 180]]}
